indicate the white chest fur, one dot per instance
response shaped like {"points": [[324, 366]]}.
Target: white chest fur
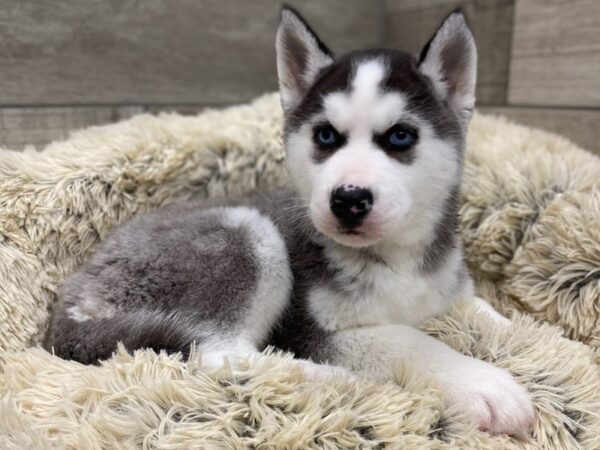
{"points": [[367, 291]]}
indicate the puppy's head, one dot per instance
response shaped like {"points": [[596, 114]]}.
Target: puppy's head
{"points": [[375, 138]]}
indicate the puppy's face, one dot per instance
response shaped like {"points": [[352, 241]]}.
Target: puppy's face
{"points": [[374, 139]]}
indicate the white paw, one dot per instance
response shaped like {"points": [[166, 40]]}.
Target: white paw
{"points": [[321, 372], [487, 309], [491, 396]]}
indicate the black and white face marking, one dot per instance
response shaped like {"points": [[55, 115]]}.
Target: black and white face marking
{"points": [[381, 122]]}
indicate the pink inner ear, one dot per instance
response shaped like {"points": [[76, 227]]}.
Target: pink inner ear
{"points": [[300, 56], [455, 63], [450, 62], [296, 61]]}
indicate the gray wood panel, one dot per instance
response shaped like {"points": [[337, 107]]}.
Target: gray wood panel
{"points": [[579, 125], [68, 64], [90, 52], [22, 127], [556, 53], [411, 23]]}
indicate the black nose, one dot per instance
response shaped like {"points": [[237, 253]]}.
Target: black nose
{"points": [[350, 204]]}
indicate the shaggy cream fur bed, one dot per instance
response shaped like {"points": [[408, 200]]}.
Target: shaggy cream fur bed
{"points": [[530, 214]]}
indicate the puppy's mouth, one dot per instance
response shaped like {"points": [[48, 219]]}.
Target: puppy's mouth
{"points": [[350, 231], [363, 236], [354, 238]]}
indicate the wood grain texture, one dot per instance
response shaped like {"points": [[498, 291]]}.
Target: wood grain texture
{"points": [[411, 23], [36, 127], [556, 53], [88, 52], [68, 64], [581, 126]]}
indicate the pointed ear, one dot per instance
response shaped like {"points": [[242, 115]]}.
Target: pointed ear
{"points": [[300, 57], [450, 60]]}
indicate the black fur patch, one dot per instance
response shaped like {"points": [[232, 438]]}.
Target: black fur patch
{"points": [[403, 76], [446, 234], [298, 331], [333, 78], [322, 153], [406, 156]]}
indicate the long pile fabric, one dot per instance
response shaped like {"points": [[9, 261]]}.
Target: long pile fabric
{"points": [[529, 218]]}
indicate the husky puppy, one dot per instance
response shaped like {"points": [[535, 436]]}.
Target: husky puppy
{"points": [[342, 267]]}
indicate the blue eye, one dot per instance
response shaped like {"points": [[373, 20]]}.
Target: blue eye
{"points": [[326, 136], [401, 139]]}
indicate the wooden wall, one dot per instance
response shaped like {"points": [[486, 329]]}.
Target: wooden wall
{"points": [[539, 60], [66, 64]]}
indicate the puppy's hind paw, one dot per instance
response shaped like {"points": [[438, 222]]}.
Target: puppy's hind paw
{"points": [[321, 372]]}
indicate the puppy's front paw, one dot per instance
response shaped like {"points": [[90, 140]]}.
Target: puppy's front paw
{"points": [[491, 396]]}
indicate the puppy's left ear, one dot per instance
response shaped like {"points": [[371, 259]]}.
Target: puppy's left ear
{"points": [[450, 60], [300, 57]]}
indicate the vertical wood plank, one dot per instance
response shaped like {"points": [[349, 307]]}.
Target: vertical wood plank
{"points": [[556, 53]]}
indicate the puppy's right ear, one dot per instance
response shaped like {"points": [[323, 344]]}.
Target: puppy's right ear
{"points": [[300, 57]]}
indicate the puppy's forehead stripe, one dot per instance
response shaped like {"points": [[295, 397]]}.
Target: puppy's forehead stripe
{"points": [[369, 75], [345, 109], [367, 107]]}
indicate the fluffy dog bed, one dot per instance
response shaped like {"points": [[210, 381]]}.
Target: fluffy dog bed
{"points": [[530, 214]]}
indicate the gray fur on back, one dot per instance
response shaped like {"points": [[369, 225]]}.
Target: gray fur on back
{"points": [[163, 280]]}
